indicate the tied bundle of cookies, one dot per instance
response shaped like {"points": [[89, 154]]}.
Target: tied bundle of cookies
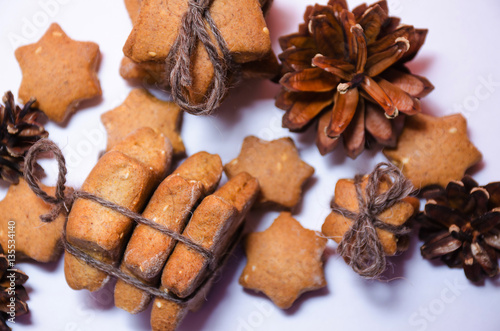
{"points": [[371, 218], [184, 235], [198, 48]]}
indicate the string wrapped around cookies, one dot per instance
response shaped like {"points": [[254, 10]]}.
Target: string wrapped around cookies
{"points": [[370, 218], [201, 234], [199, 48]]}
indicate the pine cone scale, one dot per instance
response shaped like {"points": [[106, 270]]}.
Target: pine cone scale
{"points": [[344, 109], [442, 244], [309, 80], [303, 111], [416, 86], [372, 21]]}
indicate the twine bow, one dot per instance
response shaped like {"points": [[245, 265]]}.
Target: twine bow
{"points": [[360, 246], [195, 24], [65, 197]]}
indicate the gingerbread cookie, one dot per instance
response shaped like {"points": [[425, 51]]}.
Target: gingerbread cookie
{"points": [[277, 166], [284, 261], [59, 72], [34, 239], [158, 23], [336, 224], [142, 109], [434, 150], [156, 29], [153, 72]]}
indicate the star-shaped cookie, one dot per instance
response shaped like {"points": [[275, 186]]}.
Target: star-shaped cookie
{"points": [[34, 239], [277, 166], [336, 224], [142, 109], [59, 72], [284, 261], [156, 27], [434, 150]]}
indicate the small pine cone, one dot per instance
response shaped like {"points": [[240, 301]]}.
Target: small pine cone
{"points": [[19, 130], [461, 226]]}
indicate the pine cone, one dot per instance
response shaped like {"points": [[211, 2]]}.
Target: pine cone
{"points": [[461, 225], [7, 276], [19, 130], [355, 61]]}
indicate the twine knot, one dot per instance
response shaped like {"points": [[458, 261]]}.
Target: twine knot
{"points": [[195, 26], [360, 246]]}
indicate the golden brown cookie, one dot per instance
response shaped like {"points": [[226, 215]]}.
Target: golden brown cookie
{"points": [[284, 261], [34, 239], [158, 23], [345, 196], [277, 166], [59, 72], [142, 109], [153, 72], [434, 150]]}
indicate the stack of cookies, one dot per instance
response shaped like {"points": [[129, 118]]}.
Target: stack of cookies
{"points": [[157, 24], [184, 203]]}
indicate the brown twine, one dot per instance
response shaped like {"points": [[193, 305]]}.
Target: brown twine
{"points": [[194, 25], [360, 245], [65, 200]]}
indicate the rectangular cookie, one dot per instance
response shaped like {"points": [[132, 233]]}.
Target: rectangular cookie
{"points": [[171, 206], [213, 225], [126, 175]]}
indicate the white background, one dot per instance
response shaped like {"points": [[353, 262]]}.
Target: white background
{"points": [[461, 51]]}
